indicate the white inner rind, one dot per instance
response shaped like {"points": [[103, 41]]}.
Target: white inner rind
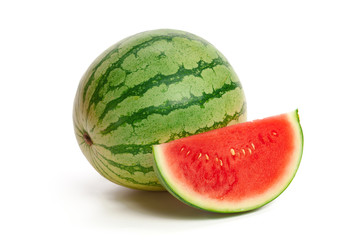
{"points": [[181, 190]]}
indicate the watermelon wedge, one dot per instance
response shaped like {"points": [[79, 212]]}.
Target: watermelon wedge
{"points": [[232, 169]]}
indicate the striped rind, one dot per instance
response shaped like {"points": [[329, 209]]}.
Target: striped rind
{"points": [[148, 89], [184, 194]]}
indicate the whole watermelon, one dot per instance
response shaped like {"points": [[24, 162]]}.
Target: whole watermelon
{"points": [[147, 89]]}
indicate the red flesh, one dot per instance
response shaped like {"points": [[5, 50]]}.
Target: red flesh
{"points": [[206, 162]]}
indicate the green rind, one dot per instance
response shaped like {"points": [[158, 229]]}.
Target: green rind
{"points": [[167, 107], [170, 188], [211, 96]]}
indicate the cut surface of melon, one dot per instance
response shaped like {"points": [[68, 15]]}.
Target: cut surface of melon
{"points": [[233, 169]]}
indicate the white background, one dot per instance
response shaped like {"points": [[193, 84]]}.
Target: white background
{"points": [[288, 54]]}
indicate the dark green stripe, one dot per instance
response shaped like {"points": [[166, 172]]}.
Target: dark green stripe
{"points": [[78, 131], [79, 135], [170, 106], [95, 98], [216, 125], [147, 148], [92, 78], [159, 79], [96, 165], [131, 169], [78, 128], [129, 148], [154, 183]]}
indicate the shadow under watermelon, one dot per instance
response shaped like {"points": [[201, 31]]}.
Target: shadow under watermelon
{"points": [[163, 204]]}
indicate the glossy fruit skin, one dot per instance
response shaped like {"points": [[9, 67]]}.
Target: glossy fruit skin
{"points": [[151, 88]]}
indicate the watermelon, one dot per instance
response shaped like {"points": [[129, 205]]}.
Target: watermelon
{"points": [[149, 89], [233, 169]]}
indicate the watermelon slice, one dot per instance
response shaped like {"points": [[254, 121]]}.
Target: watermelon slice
{"points": [[233, 169]]}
